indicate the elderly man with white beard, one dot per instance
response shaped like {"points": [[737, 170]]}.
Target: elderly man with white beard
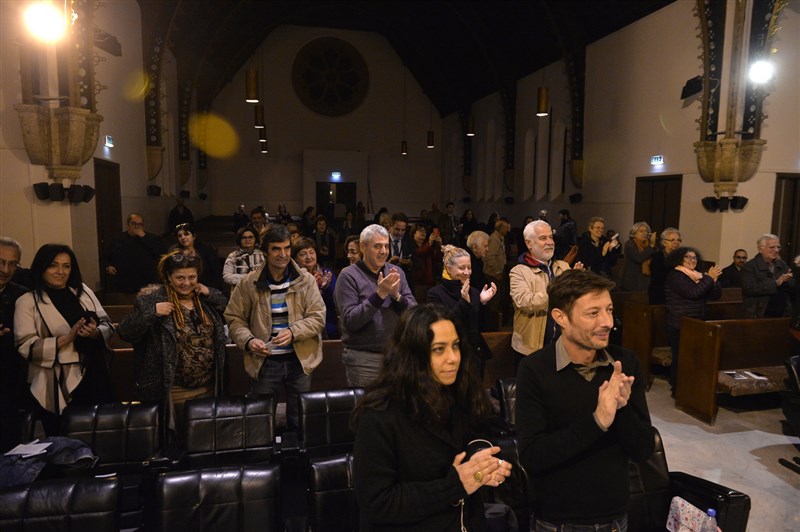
{"points": [[534, 328]]}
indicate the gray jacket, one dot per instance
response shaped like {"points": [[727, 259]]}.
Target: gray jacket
{"points": [[758, 285]]}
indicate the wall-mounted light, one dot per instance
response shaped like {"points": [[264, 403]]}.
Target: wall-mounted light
{"points": [[761, 71], [251, 86], [262, 136], [336, 176], [542, 102], [109, 141], [403, 148], [264, 146], [45, 21], [656, 160], [471, 125], [259, 116]]}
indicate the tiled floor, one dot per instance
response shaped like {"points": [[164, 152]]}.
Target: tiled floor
{"points": [[740, 450]]}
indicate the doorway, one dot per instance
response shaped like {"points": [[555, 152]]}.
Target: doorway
{"points": [[334, 200], [658, 201], [786, 214], [108, 209]]}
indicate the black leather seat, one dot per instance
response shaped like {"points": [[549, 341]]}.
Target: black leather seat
{"points": [[791, 405], [506, 392], [61, 504], [325, 421], [652, 487], [228, 430], [230, 499], [331, 500], [124, 436]]}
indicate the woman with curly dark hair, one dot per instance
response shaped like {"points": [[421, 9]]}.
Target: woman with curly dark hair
{"points": [[686, 291], [412, 428]]}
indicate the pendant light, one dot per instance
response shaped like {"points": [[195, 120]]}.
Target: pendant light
{"points": [[251, 86]]}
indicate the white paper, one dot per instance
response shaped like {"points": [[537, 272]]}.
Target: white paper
{"points": [[27, 450]]}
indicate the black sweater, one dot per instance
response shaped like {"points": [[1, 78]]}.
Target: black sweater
{"points": [[577, 472]]}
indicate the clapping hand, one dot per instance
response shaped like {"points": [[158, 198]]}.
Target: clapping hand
{"points": [[389, 285], [465, 291], [714, 272], [483, 468], [488, 292], [612, 395]]}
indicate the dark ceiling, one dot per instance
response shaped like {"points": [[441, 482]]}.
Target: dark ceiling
{"points": [[458, 51]]}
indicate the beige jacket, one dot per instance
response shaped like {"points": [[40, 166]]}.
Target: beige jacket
{"points": [[495, 259], [529, 295], [248, 316], [37, 324]]}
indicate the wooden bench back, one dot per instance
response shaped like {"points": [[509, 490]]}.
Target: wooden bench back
{"points": [[708, 347]]}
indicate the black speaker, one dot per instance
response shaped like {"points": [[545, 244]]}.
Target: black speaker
{"points": [[738, 203], [56, 192], [75, 193], [724, 202], [88, 193], [153, 190], [710, 203], [576, 198], [42, 190]]}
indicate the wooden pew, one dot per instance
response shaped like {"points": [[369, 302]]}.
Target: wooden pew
{"points": [[708, 347], [644, 328], [117, 312]]}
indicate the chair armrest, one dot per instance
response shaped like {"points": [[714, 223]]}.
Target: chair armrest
{"points": [[290, 447], [733, 507]]}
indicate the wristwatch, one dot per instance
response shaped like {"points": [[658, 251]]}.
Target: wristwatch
{"points": [[398, 298]]}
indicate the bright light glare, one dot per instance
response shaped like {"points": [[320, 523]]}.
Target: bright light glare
{"points": [[761, 71], [45, 21]]}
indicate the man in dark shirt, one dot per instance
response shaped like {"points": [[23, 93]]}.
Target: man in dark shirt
{"points": [[132, 257], [566, 235], [581, 412], [14, 396], [767, 282], [730, 277]]}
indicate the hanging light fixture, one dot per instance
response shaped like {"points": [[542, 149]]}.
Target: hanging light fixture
{"points": [[251, 86], [262, 136], [541, 108], [259, 116], [264, 146], [471, 125], [403, 148], [430, 144], [543, 102], [403, 143]]}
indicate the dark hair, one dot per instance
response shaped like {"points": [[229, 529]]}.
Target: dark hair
{"points": [[676, 257], [351, 238], [406, 378], [186, 226], [564, 290], [399, 217], [276, 233], [178, 260], [245, 229], [446, 205], [565, 212], [320, 218], [303, 243], [44, 257], [257, 210]]}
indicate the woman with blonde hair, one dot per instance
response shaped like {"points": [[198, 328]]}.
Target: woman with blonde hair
{"points": [[638, 251], [464, 302]]}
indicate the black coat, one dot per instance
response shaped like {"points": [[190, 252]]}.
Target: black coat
{"points": [[469, 314], [404, 476], [684, 297]]}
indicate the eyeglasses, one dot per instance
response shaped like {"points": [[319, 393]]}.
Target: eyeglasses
{"points": [[740, 257], [673, 240], [9, 263], [251, 237], [180, 257], [690, 258], [136, 224]]}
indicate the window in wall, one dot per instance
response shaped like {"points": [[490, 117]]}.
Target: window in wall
{"points": [[786, 214]]}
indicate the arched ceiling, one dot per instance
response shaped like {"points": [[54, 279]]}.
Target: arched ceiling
{"points": [[458, 51]]}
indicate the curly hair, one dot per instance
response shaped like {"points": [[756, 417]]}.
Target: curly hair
{"points": [[406, 378]]}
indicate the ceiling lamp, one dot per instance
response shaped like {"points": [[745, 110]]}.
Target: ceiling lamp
{"points": [[471, 125], [543, 103], [251, 86], [259, 116], [264, 146], [430, 144], [262, 136], [404, 148]]}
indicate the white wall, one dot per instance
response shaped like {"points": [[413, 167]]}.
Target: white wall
{"points": [[375, 128]]}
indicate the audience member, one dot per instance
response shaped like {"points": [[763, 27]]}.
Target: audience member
{"points": [[595, 251], [132, 256], [468, 223], [283, 216], [401, 248], [449, 225], [351, 249], [305, 255], [533, 326], [276, 315], [639, 251], [427, 255], [180, 214], [244, 260], [178, 338], [349, 227], [240, 218], [377, 218], [495, 259], [464, 301], [582, 415], [370, 295], [61, 329], [767, 281], [731, 274], [794, 326], [477, 247], [491, 223], [259, 221], [308, 221], [543, 215], [294, 232], [410, 470], [566, 235], [670, 241], [685, 293], [517, 238], [325, 242], [14, 396], [187, 244]]}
